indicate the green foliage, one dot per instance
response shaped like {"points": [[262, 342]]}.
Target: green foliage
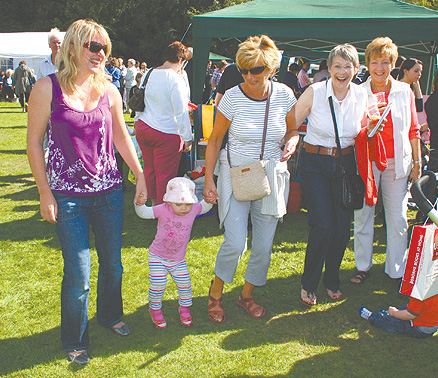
{"points": [[138, 29], [329, 340], [432, 4]]}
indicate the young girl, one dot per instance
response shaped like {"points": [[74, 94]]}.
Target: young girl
{"points": [[167, 251]]}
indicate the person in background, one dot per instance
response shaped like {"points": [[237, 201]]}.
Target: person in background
{"points": [[143, 67], [48, 65], [123, 70], [81, 187], [163, 129], [229, 79], [242, 112], [130, 80], [431, 108], [395, 72], [206, 93], [115, 72], [218, 73], [303, 77], [291, 80], [23, 82], [401, 141], [322, 74], [410, 73], [138, 78], [321, 172], [7, 88]]}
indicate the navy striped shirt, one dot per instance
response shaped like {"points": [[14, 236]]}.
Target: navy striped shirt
{"points": [[247, 117]]}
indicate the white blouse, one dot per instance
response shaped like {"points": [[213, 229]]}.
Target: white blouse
{"points": [[349, 114], [166, 104]]}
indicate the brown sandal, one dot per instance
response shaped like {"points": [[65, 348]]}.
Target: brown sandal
{"points": [[252, 307], [216, 316], [359, 277]]}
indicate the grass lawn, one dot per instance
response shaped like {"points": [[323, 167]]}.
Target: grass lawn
{"points": [[329, 340]]}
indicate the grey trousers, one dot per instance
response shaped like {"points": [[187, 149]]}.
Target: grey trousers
{"points": [[235, 244]]}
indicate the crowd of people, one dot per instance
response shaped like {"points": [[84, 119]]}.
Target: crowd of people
{"points": [[81, 110]]}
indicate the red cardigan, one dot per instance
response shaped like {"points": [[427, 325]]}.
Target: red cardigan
{"points": [[367, 151]]}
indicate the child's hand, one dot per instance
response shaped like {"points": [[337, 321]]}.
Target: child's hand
{"points": [[392, 311]]}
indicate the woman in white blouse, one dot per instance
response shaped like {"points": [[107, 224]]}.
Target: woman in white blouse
{"points": [[320, 171], [242, 112], [163, 129]]}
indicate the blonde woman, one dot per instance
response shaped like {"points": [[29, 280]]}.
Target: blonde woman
{"points": [[242, 112], [401, 138], [83, 115]]}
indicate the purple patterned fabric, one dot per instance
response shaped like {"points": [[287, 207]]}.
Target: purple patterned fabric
{"points": [[81, 154]]}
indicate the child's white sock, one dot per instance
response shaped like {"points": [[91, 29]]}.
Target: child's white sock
{"points": [[364, 313]]}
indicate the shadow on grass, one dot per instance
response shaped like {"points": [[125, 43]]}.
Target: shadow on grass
{"points": [[335, 328], [12, 127], [13, 152]]}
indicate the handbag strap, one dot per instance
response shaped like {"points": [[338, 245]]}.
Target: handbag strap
{"points": [[338, 142], [145, 81], [265, 127]]}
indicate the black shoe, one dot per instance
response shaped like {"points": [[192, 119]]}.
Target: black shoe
{"points": [[121, 331], [80, 357]]}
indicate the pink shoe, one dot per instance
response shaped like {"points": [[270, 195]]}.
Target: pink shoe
{"points": [[185, 316], [158, 318]]}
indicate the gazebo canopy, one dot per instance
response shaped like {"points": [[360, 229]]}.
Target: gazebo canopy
{"points": [[312, 28], [216, 57]]}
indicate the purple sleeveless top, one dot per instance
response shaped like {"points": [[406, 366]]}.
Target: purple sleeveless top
{"points": [[81, 154]]}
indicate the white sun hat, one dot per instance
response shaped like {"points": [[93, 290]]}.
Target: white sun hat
{"points": [[180, 190]]}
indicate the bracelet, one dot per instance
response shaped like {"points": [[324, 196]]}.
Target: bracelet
{"points": [[417, 162]]}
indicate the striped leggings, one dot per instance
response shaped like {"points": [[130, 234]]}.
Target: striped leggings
{"points": [[158, 270]]}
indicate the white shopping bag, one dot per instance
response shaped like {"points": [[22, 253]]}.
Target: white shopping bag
{"points": [[420, 279]]}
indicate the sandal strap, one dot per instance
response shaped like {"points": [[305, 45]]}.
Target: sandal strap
{"points": [[214, 302], [251, 305], [185, 314]]}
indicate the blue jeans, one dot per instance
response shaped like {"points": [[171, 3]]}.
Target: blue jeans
{"points": [[387, 322], [104, 212], [329, 233]]}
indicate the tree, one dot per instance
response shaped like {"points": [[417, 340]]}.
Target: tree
{"points": [[432, 4], [138, 30]]}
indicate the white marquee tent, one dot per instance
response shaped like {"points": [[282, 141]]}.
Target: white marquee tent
{"points": [[32, 47]]}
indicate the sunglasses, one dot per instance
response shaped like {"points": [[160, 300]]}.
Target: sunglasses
{"points": [[95, 47], [254, 71]]}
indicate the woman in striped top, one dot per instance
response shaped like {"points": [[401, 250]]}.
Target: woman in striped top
{"points": [[242, 112]]}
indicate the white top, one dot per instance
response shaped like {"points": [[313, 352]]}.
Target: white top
{"points": [[247, 117], [166, 104], [400, 95], [130, 75], [349, 114], [46, 67]]}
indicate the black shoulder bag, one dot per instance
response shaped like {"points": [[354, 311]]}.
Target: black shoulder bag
{"points": [[353, 187], [136, 101]]}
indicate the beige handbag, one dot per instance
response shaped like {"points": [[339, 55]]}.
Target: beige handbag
{"points": [[250, 181]]}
